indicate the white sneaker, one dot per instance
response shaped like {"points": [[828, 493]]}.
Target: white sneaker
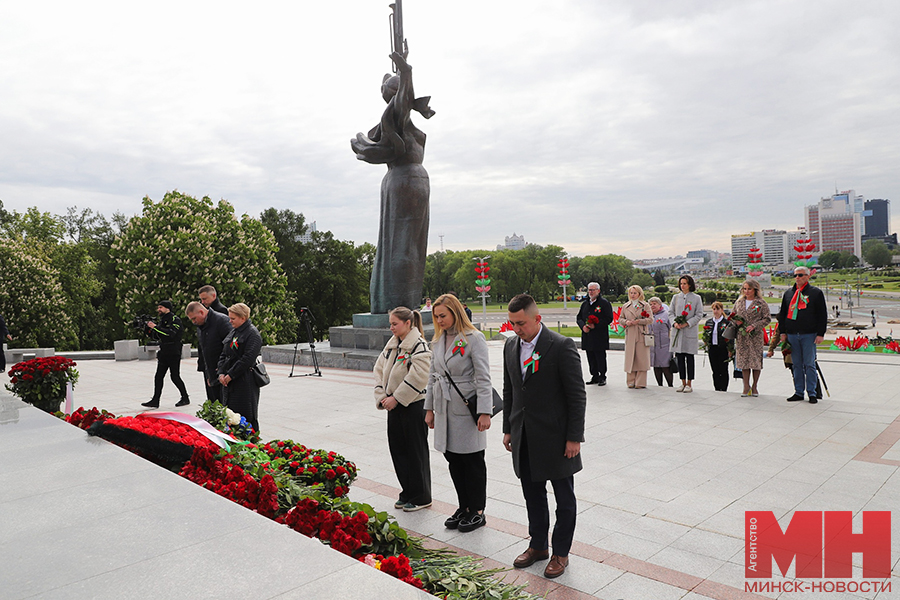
{"points": [[687, 389], [680, 388]]}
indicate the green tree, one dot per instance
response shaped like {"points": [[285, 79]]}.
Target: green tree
{"points": [[326, 275], [32, 297], [829, 259], [641, 278], [876, 253], [847, 260], [181, 243]]}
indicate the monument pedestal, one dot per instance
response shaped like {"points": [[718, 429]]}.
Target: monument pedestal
{"points": [[349, 346]]}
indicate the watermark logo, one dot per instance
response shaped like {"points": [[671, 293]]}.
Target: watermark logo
{"points": [[820, 544]]}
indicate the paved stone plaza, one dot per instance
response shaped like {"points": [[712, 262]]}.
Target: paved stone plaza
{"points": [[662, 497]]}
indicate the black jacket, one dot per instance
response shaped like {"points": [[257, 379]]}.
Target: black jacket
{"points": [[239, 354], [812, 319], [168, 332], [598, 337], [210, 339], [218, 307]]}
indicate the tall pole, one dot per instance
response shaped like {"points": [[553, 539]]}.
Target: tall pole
{"points": [[482, 285]]}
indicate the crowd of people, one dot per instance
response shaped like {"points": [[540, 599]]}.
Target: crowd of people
{"points": [[666, 339], [228, 347]]}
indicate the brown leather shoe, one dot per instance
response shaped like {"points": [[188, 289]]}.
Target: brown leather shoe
{"points": [[529, 557], [556, 566]]}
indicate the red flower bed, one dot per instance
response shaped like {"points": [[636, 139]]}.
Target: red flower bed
{"points": [[232, 482], [345, 534]]}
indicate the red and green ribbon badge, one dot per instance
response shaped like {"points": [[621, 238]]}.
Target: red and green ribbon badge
{"points": [[401, 358], [533, 362], [459, 346], [234, 344], [798, 302]]}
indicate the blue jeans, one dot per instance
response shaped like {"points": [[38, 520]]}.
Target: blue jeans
{"points": [[803, 355]]}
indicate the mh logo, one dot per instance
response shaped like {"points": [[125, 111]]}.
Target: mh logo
{"points": [[821, 542]]}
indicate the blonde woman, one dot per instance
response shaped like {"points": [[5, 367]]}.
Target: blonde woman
{"points": [[636, 316], [754, 312], [460, 371], [401, 375]]}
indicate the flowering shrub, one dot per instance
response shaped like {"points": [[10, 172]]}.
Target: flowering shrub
{"points": [[85, 418], [182, 239], [42, 381], [31, 296]]}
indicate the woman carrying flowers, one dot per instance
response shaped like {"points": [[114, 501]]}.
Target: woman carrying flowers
{"points": [[401, 376], [687, 308], [460, 372], [661, 356], [754, 314], [239, 353], [636, 317]]}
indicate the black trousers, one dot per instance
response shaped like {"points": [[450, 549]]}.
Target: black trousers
{"points": [[685, 365], [408, 442], [171, 363], [213, 392], [469, 475], [596, 363], [535, 493], [718, 360]]}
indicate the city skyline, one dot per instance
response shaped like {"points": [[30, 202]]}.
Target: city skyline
{"points": [[635, 128]]}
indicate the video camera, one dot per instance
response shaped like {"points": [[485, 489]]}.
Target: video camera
{"points": [[140, 322]]}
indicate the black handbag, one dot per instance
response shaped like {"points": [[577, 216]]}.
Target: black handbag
{"points": [[260, 375], [472, 403]]}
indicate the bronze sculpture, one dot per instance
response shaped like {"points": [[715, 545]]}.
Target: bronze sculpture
{"points": [[399, 269]]}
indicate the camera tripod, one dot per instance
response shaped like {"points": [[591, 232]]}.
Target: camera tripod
{"points": [[307, 319]]}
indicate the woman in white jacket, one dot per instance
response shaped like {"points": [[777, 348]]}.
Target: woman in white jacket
{"points": [[401, 375], [460, 371]]}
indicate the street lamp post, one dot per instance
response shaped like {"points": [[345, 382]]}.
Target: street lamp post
{"points": [[564, 278], [482, 285]]}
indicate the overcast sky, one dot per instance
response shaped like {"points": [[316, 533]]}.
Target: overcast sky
{"points": [[638, 127]]}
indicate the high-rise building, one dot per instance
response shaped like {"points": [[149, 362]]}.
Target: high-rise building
{"points": [[877, 219], [776, 245], [835, 223]]}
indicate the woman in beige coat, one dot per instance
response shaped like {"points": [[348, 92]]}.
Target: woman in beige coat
{"points": [[636, 315], [401, 377]]}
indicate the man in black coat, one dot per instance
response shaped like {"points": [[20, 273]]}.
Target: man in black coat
{"points": [[212, 329], [168, 332], [209, 298], [543, 426], [4, 335], [595, 336], [802, 321]]}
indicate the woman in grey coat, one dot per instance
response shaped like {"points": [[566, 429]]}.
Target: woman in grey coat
{"points": [[660, 355], [460, 357], [686, 310]]}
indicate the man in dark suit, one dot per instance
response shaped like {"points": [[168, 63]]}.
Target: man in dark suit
{"points": [[543, 426], [209, 298], [595, 334], [212, 329]]}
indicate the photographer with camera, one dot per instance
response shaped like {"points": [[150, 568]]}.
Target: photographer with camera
{"points": [[168, 332]]}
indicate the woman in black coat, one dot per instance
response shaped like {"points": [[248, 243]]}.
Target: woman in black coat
{"points": [[239, 353]]}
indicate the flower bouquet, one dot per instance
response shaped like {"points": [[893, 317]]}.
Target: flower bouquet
{"points": [[42, 381], [85, 418], [681, 319], [592, 321]]}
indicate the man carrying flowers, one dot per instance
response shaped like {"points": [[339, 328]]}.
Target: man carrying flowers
{"points": [[594, 318], [802, 322]]}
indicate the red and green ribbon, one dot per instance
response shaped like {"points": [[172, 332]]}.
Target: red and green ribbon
{"points": [[234, 344], [459, 346], [798, 303], [401, 358], [533, 362]]}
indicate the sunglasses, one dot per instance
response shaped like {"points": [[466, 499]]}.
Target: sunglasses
{"points": [[800, 275]]}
